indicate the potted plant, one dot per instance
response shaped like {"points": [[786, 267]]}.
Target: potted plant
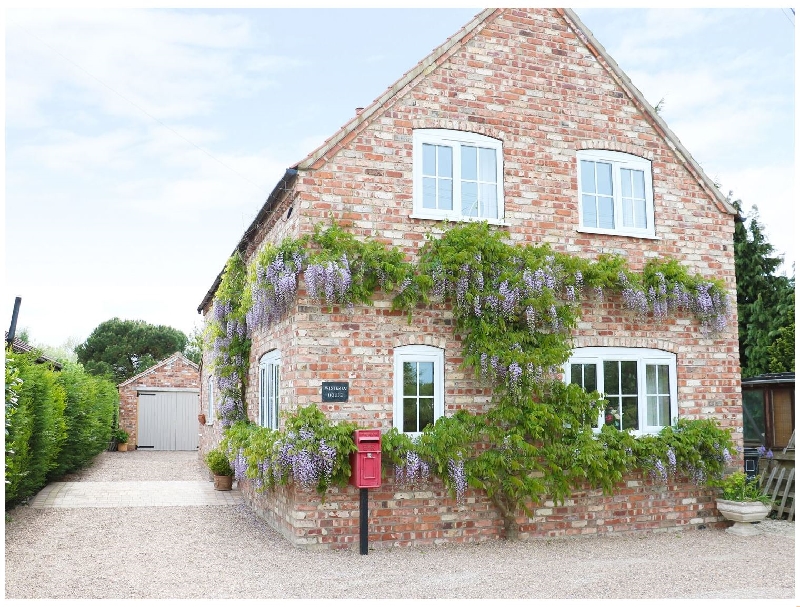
{"points": [[121, 438], [742, 502], [220, 467]]}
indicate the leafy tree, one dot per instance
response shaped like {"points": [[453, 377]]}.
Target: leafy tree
{"points": [[765, 301], [194, 347], [122, 348]]}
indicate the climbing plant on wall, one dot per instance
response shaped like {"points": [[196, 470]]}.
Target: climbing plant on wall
{"points": [[515, 307]]}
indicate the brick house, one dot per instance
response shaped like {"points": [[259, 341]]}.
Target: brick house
{"points": [[525, 106], [159, 406]]}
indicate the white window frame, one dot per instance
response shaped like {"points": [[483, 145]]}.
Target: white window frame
{"points": [[643, 357], [619, 161], [269, 389], [455, 140], [210, 401], [415, 353]]}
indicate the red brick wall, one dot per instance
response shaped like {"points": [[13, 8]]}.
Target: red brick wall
{"points": [[177, 372], [526, 79]]}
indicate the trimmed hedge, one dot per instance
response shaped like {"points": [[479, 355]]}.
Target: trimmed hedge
{"points": [[56, 422]]}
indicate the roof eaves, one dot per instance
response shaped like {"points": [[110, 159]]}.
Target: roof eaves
{"points": [[622, 79], [282, 186], [366, 114]]}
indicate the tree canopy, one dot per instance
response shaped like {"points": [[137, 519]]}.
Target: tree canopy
{"points": [[122, 348], [765, 302]]}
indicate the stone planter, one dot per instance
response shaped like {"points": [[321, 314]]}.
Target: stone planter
{"points": [[223, 483], [743, 514]]}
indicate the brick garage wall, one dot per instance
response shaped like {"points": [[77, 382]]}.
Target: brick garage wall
{"points": [[526, 79], [174, 372]]}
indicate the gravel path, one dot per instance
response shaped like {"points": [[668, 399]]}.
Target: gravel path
{"points": [[222, 552]]}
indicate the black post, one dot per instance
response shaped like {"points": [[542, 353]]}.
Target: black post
{"points": [[12, 330], [363, 529]]}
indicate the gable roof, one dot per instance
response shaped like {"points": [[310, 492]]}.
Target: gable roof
{"points": [[169, 359], [349, 130]]}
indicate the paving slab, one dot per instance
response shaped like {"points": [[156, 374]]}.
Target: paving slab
{"points": [[131, 494]]}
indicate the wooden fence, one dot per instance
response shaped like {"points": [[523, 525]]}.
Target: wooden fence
{"points": [[777, 480]]}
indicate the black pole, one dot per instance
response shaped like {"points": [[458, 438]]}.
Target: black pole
{"points": [[13, 328], [363, 529]]}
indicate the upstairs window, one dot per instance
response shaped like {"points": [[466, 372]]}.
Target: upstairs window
{"points": [[457, 176], [616, 193], [639, 385]]}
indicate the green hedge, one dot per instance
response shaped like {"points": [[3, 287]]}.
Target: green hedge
{"points": [[56, 422]]}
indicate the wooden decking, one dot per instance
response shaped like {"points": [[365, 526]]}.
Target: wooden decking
{"points": [[777, 480]]}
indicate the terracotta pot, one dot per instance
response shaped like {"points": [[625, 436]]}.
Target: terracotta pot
{"points": [[743, 514], [202, 419], [223, 483], [122, 446]]}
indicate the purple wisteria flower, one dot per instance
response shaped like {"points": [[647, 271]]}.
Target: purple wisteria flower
{"points": [[671, 460], [414, 470], [457, 476]]}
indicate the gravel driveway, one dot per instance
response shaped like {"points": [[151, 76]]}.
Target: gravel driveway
{"points": [[221, 552]]}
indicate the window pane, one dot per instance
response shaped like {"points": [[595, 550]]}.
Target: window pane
{"points": [[638, 183], [641, 213], [445, 194], [425, 413], [576, 375], [613, 413], [589, 211], [469, 163], [409, 379], [445, 161], [469, 199], [651, 379], [425, 371], [630, 412], [587, 177], [627, 191], [605, 212], [488, 200], [630, 384], [488, 165], [429, 192], [604, 179], [753, 410], [428, 159], [611, 376], [410, 415], [590, 378], [627, 212]]}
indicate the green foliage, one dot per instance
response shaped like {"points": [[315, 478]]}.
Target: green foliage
{"points": [[765, 301], [91, 403], [737, 488], [217, 462], [56, 422], [119, 349], [515, 307], [120, 436], [311, 451]]}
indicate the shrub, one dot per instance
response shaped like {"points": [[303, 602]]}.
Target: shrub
{"points": [[218, 463], [737, 488]]}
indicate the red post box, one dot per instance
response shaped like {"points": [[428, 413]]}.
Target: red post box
{"points": [[365, 463]]}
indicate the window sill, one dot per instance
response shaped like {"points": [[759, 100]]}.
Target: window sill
{"points": [[458, 219], [643, 235]]}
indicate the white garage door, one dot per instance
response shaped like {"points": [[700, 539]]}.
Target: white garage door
{"points": [[168, 420]]}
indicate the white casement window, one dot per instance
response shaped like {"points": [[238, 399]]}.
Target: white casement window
{"points": [[210, 401], [616, 193], [640, 385], [269, 389], [457, 176], [418, 387]]}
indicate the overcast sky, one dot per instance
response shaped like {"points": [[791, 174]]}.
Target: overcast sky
{"points": [[141, 143]]}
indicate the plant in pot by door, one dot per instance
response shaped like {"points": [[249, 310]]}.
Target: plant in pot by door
{"points": [[121, 438], [743, 502], [220, 467]]}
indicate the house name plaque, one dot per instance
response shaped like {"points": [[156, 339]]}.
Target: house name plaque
{"points": [[335, 391]]}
